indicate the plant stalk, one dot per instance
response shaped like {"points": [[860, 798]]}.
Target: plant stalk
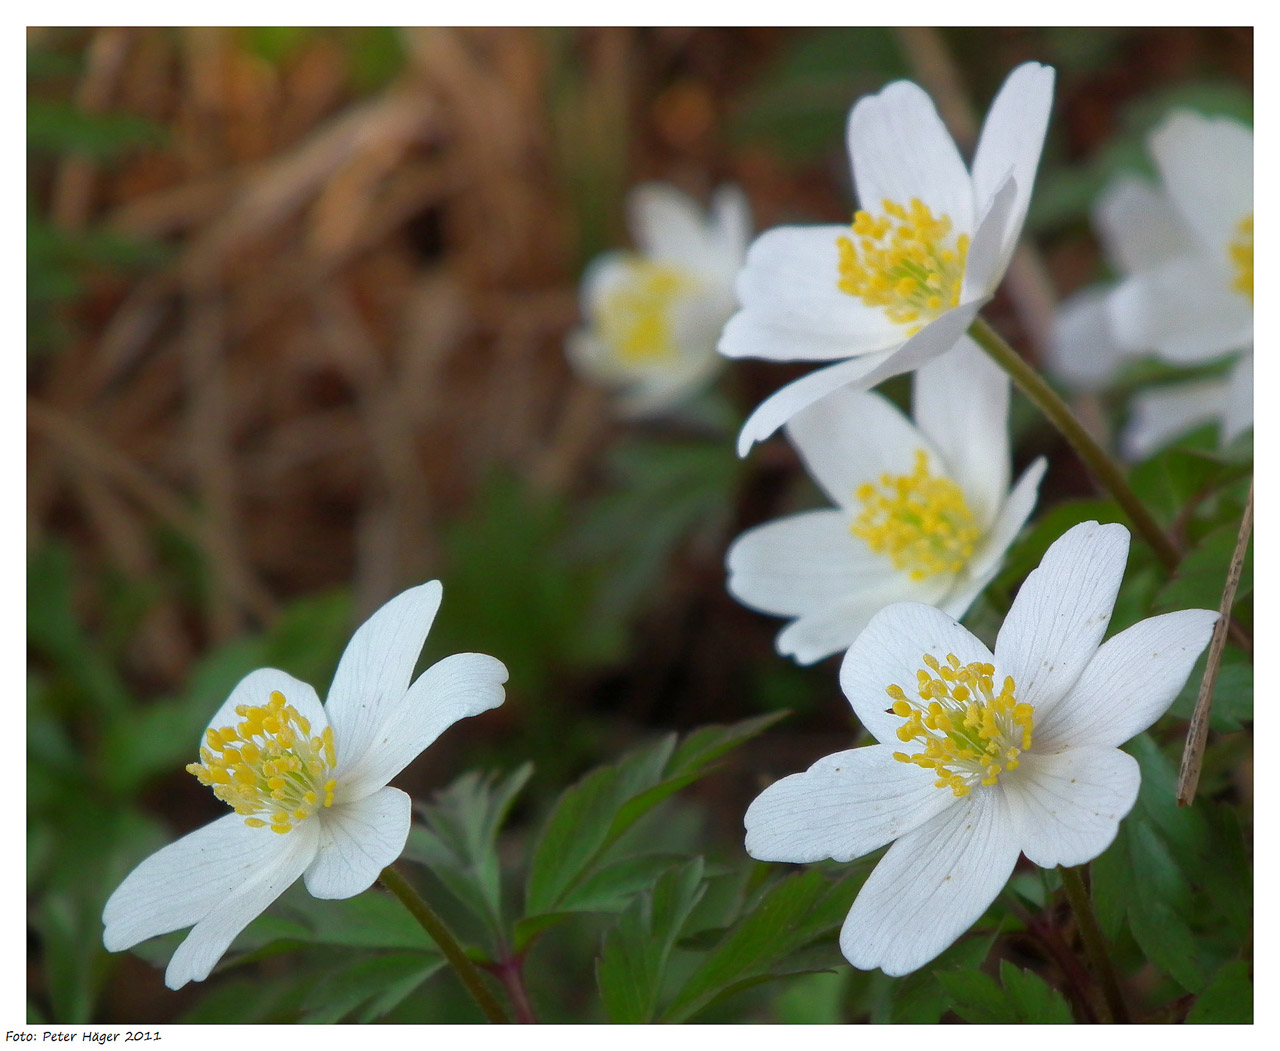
{"points": [[431, 923], [1094, 944], [1104, 468]]}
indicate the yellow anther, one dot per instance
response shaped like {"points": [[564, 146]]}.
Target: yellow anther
{"points": [[906, 261], [921, 521], [636, 317], [1240, 251], [968, 734], [254, 822]]}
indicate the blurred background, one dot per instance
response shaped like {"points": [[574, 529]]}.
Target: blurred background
{"points": [[297, 301]]}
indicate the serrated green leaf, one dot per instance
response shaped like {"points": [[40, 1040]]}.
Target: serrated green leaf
{"points": [[1200, 578], [1167, 941], [1032, 998], [976, 997], [920, 998], [1228, 882], [369, 988], [372, 920], [1227, 999], [633, 960], [1170, 480]]}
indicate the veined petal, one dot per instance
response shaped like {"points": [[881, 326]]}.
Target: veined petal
{"points": [[1066, 806], [1061, 613], [1083, 352], [1011, 140], [1184, 310], [889, 652], [1128, 685], [255, 690], [459, 686], [181, 883], [986, 561], [931, 886], [1206, 164], [244, 902], [369, 686], [961, 401], [1139, 226], [901, 150], [853, 436], [357, 841], [1159, 415], [862, 373], [792, 307], [802, 563], [842, 807], [988, 253], [1237, 416], [829, 629]]}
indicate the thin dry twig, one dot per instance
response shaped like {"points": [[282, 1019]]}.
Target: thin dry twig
{"points": [[1198, 732]]}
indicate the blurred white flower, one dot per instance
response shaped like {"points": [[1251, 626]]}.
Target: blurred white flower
{"points": [[308, 784], [653, 316], [926, 252], [1185, 253], [982, 757], [923, 512]]}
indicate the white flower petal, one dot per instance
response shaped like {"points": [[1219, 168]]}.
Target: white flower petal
{"points": [[1159, 415], [666, 224], [179, 884], [255, 689], [731, 226], [842, 807], [830, 629], [244, 902], [1083, 352], [1184, 310], [369, 686], [931, 886], [985, 266], [851, 437], [1206, 164], [1237, 416], [1061, 612], [803, 562], [961, 400], [1139, 226], [1011, 140], [357, 841], [889, 652], [901, 150], [1129, 683], [1066, 806], [792, 307], [935, 338], [459, 686]]}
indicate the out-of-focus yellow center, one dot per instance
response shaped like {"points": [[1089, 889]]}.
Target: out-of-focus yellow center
{"points": [[268, 768], [970, 733], [905, 261], [635, 318], [920, 520], [1241, 252]]}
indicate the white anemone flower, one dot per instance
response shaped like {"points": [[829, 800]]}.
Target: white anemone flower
{"points": [[923, 511], [653, 316], [982, 757], [926, 252], [1185, 253], [308, 783]]}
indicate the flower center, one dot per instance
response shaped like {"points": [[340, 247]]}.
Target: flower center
{"points": [[970, 733], [269, 768], [920, 520], [905, 261], [635, 318], [1241, 252]]}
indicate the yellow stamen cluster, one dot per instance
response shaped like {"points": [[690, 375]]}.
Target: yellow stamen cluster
{"points": [[905, 261], [1241, 252], [635, 317], [268, 768], [920, 520], [970, 733]]}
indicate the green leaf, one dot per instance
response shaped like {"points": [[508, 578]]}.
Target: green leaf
{"points": [[1166, 941], [61, 127], [368, 989], [1171, 480], [976, 997], [372, 920], [1032, 998], [633, 959], [1227, 999], [921, 998], [1201, 576]]}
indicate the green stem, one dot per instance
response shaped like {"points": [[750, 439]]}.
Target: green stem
{"points": [[458, 959], [1104, 468], [1094, 944]]}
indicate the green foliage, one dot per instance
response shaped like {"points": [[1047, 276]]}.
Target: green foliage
{"points": [[1022, 997], [1227, 999]]}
